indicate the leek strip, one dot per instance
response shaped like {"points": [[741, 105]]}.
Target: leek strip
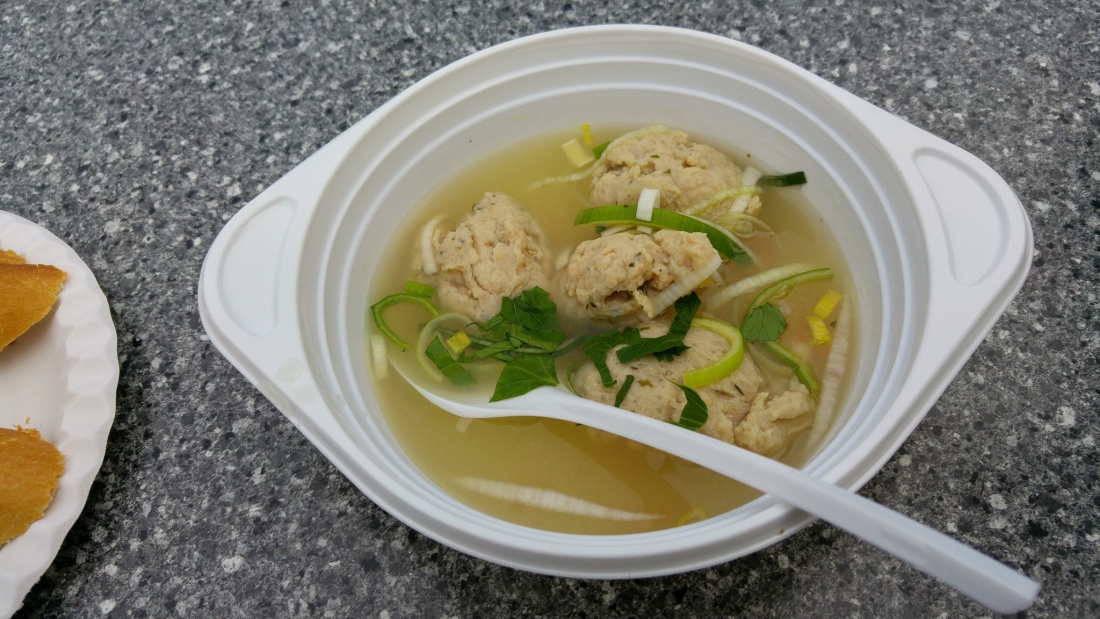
{"points": [[422, 290], [727, 364], [784, 180], [721, 196], [782, 287], [723, 242], [380, 361], [735, 221], [648, 200], [427, 246], [802, 370], [429, 331], [826, 304], [834, 373], [684, 285], [755, 282], [616, 229], [569, 178], [401, 297]]}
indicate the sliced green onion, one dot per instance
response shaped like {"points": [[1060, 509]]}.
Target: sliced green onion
{"points": [[784, 180], [401, 297], [598, 151], [724, 243], [783, 286], [422, 290], [724, 366], [802, 370]]}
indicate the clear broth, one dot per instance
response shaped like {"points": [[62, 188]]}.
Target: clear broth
{"points": [[634, 487]]}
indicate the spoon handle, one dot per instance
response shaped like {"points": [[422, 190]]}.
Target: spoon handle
{"points": [[980, 577]]}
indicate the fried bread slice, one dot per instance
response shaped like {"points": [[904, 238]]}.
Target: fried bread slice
{"points": [[7, 256], [27, 292], [29, 472]]}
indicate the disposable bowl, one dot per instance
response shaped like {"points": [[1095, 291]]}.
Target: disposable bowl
{"points": [[937, 244]]}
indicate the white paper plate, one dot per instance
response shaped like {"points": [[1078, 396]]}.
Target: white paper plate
{"points": [[60, 379]]}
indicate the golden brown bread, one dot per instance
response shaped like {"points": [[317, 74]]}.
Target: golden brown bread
{"points": [[7, 256], [29, 470], [27, 292]]}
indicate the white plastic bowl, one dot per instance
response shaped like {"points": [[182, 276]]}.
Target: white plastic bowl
{"points": [[937, 243]]}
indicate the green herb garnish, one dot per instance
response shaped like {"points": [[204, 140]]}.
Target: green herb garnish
{"points": [[523, 374], [764, 323], [439, 355], [597, 152], [695, 413], [667, 346], [621, 395], [783, 180], [597, 347]]}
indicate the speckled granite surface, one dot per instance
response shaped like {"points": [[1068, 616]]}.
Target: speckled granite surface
{"points": [[135, 130]]}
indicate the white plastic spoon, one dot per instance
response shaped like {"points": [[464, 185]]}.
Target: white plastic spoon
{"points": [[984, 579]]}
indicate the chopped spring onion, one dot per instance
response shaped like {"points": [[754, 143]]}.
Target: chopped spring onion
{"points": [[725, 365], [380, 362], [422, 290], [648, 200], [826, 304], [819, 330], [721, 196], [598, 151], [784, 180], [802, 370], [401, 297], [436, 327], [427, 246], [780, 288], [458, 342], [684, 285], [724, 242], [755, 282], [586, 132], [578, 155]]}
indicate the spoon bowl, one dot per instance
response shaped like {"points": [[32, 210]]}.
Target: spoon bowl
{"points": [[980, 577]]}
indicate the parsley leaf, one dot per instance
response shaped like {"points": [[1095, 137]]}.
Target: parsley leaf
{"points": [[671, 344], [597, 347], [764, 323], [621, 395], [523, 374], [695, 413]]}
